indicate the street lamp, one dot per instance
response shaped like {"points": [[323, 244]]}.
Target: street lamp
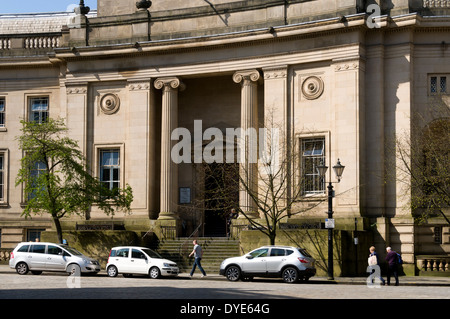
{"points": [[338, 170]]}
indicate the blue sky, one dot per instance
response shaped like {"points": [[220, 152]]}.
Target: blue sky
{"points": [[35, 6]]}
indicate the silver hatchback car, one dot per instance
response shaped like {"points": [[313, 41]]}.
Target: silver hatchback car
{"points": [[38, 257], [290, 263]]}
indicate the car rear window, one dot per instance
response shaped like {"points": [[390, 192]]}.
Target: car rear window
{"points": [[303, 252], [23, 249], [277, 252], [124, 252]]}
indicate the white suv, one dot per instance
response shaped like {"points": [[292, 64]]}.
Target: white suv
{"points": [[289, 263], [38, 257], [130, 260]]}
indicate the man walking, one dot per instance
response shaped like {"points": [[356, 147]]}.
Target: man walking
{"points": [[198, 253], [392, 260]]}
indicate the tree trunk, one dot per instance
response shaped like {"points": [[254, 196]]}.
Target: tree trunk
{"points": [[58, 229], [272, 238]]}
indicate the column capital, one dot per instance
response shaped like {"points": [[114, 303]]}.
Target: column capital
{"points": [[246, 76], [169, 83]]}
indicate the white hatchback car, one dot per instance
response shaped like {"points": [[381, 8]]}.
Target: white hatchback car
{"points": [[130, 260], [38, 257]]}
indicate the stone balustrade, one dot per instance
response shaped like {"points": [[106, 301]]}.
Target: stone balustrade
{"points": [[436, 3], [430, 263], [5, 253], [5, 44], [30, 42], [40, 42]]}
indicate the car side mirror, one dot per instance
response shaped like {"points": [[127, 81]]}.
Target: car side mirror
{"points": [[249, 257]]}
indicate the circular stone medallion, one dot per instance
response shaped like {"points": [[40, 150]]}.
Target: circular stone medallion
{"points": [[312, 87], [109, 103]]}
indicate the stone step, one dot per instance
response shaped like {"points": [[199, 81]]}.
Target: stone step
{"points": [[215, 250]]}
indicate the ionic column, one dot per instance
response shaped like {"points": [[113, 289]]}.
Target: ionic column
{"points": [[169, 170], [248, 142]]}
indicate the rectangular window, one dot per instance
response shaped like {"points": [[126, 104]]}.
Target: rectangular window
{"points": [[39, 109], [438, 235], [443, 84], [34, 234], [2, 178], [2, 112], [433, 84], [438, 84], [110, 168], [38, 169], [313, 154]]}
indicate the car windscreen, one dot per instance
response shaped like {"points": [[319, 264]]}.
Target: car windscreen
{"points": [[73, 251], [151, 253]]}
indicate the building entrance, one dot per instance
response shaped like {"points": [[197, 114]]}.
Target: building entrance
{"points": [[221, 195]]}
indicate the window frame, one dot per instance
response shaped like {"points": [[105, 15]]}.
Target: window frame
{"points": [[322, 158], [4, 178], [3, 113], [438, 90], [30, 116], [97, 158]]}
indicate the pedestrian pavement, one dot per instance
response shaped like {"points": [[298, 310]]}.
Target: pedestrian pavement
{"points": [[403, 280]]}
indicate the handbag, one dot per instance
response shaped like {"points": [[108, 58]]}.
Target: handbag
{"points": [[372, 260]]}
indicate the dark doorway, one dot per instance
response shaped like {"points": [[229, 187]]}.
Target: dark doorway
{"points": [[221, 195]]}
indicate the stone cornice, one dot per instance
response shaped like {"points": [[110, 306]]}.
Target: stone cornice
{"points": [[252, 37]]}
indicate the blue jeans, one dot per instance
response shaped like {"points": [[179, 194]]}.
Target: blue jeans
{"points": [[197, 263]]}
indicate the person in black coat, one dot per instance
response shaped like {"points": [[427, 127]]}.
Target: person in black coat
{"points": [[392, 260]]}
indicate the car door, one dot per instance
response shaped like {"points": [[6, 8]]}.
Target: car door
{"points": [[55, 258], [138, 262], [276, 259], [256, 261], [122, 260], [37, 258]]}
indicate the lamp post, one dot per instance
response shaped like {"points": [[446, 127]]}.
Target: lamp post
{"points": [[338, 170]]}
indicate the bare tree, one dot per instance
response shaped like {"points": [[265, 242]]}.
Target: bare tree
{"points": [[422, 159], [274, 187]]}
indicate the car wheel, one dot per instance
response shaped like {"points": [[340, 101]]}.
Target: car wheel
{"points": [[74, 269], [112, 271], [233, 273], [154, 273], [290, 275], [22, 268]]}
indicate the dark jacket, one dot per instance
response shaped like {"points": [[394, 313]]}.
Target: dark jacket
{"points": [[392, 258]]}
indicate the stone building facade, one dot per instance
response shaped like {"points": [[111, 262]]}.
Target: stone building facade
{"points": [[341, 77]]}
